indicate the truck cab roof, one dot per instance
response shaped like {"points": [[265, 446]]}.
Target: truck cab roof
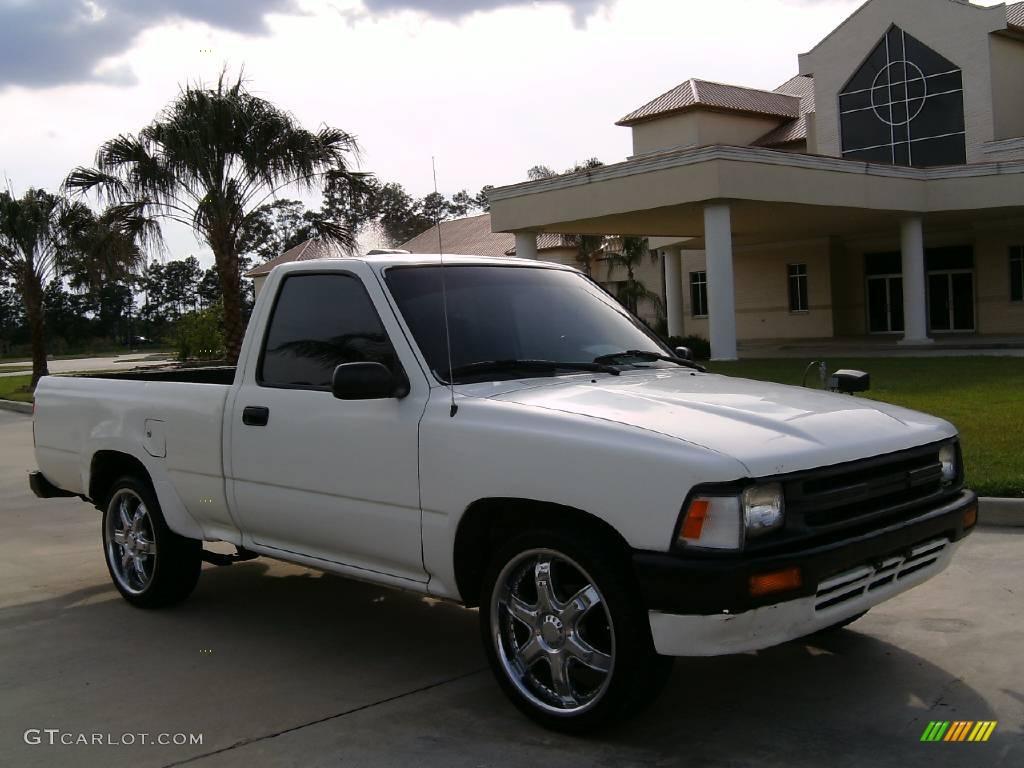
{"points": [[381, 261]]}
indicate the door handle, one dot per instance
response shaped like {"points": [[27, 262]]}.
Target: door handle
{"points": [[255, 416]]}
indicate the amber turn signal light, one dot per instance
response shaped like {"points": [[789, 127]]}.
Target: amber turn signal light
{"points": [[694, 522], [775, 581], [971, 516]]}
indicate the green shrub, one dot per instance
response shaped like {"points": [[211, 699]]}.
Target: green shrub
{"points": [[700, 346], [200, 335]]}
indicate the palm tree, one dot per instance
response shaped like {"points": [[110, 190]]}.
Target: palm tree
{"points": [[210, 160], [631, 292], [41, 234], [587, 249]]}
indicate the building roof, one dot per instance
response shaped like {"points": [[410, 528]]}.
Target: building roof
{"points": [[1015, 16], [698, 94], [471, 236], [307, 251], [801, 86]]}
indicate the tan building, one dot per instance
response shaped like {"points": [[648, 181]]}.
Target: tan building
{"points": [[879, 191]]}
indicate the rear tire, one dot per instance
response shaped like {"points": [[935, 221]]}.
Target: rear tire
{"points": [[567, 639], [151, 565]]}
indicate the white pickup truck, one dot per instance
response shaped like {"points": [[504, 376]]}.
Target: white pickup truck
{"points": [[533, 451]]}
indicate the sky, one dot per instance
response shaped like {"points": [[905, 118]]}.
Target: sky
{"points": [[488, 87]]}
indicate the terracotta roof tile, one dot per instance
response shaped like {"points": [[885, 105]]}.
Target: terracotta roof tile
{"points": [[696, 94]]}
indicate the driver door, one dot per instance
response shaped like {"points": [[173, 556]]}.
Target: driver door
{"points": [[312, 475]]}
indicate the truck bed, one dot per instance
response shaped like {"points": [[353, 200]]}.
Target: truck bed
{"points": [[220, 374], [170, 420]]}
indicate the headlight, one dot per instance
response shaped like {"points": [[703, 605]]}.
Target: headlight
{"points": [[763, 508], [720, 521], [948, 459]]}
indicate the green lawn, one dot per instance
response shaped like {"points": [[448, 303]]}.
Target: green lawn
{"points": [[982, 396], [15, 388]]}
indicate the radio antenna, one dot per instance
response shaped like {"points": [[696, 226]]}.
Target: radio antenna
{"points": [[444, 298]]}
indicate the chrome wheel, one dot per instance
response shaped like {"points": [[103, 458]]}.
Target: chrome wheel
{"points": [[553, 632], [130, 540]]}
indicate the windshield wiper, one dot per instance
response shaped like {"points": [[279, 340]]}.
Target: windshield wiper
{"points": [[648, 356], [529, 366]]}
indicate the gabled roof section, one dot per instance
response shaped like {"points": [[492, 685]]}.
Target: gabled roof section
{"points": [[703, 94], [794, 131], [307, 251], [972, 19]]}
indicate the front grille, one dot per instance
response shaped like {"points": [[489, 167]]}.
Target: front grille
{"points": [[839, 496], [860, 581]]}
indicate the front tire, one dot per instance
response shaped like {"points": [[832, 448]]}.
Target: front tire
{"points": [[151, 565], [567, 640]]}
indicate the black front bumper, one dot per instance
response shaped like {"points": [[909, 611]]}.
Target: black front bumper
{"points": [[710, 584], [44, 489]]}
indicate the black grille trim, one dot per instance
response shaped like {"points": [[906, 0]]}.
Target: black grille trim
{"points": [[850, 494]]}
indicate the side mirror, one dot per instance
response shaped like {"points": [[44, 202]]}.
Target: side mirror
{"points": [[685, 353], [848, 382], [367, 381]]}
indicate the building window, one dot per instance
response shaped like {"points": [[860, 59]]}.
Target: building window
{"points": [[797, 287], [699, 294], [1017, 273], [904, 106]]}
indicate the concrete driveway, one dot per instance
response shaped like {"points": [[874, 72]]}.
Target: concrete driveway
{"points": [[86, 364], [277, 665]]}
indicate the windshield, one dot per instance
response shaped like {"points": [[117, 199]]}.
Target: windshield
{"points": [[498, 313]]}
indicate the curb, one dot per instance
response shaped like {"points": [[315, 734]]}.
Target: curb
{"points": [[17, 407], [1008, 513]]}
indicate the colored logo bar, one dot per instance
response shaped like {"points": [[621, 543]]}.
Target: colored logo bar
{"points": [[959, 730]]}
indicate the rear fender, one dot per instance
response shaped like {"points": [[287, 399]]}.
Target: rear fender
{"points": [[178, 518]]}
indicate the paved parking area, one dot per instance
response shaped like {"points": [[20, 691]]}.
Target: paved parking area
{"points": [[277, 665]]}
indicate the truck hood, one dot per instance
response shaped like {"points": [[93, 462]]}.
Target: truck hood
{"points": [[770, 428]]}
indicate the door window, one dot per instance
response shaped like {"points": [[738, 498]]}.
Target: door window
{"points": [[1017, 273], [885, 304], [938, 302], [319, 322]]}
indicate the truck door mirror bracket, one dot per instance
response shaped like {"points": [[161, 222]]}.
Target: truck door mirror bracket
{"points": [[367, 381]]}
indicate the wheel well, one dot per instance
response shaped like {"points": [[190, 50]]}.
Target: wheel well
{"points": [[489, 523], [106, 467]]}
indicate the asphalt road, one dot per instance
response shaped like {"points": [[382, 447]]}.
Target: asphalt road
{"points": [[277, 665]]}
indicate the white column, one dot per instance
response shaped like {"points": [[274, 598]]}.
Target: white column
{"points": [[915, 319], [721, 291], [526, 245], [674, 290]]}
